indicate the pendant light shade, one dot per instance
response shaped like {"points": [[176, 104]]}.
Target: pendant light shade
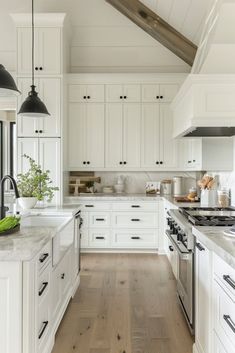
{"points": [[7, 83], [33, 106]]}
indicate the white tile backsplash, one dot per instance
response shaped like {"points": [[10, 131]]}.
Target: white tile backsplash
{"points": [[135, 181]]}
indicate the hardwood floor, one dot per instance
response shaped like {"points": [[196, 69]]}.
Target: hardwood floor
{"points": [[126, 303]]}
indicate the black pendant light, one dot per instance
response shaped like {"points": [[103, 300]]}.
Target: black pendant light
{"points": [[7, 83], [33, 106]]}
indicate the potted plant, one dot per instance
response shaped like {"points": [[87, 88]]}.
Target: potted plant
{"points": [[34, 185]]}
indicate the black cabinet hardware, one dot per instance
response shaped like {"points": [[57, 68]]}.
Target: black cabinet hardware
{"points": [[87, 162], [200, 247], [171, 248], [161, 97], [135, 206], [230, 322], [84, 97], [157, 97], [44, 326], [36, 131], [43, 257], [84, 162], [100, 238], [62, 276], [121, 97], [88, 97], [125, 97], [157, 162], [120, 162], [89, 205], [40, 68], [100, 219], [136, 238], [135, 219], [40, 131], [161, 162], [124, 162], [36, 68], [194, 160], [44, 285], [229, 280]]}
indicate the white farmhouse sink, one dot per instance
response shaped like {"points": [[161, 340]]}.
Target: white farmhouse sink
{"points": [[44, 221]]}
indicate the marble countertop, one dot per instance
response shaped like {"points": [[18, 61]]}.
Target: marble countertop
{"points": [[25, 244], [215, 240]]}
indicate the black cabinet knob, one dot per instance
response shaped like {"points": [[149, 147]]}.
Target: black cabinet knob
{"points": [[88, 97], [194, 160], [121, 97], [120, 162], [84, 162], [124, 162], [40, 68], [62, 276], [84, 97], [36, 68], [161, 162], [36, 131], [157, 97], [157, 162], [125, 97], [87, 162], [40, 131], [161, 97]]}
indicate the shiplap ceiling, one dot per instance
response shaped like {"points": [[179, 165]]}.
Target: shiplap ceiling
{"points": [[187, 16], [104, 40]]}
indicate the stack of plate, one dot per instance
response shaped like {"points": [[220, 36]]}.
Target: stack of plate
{"points": [[107, 189]]}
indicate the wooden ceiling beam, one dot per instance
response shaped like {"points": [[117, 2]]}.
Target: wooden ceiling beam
{"points": [[156, 27]]}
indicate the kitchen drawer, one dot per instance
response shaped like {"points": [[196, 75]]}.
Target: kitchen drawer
{"points": [[44, 283], [44, 256], [136, 206], [224, 315], [135, 220], [99, 238], [84, 237], [43, 323], [224, 273], [218, 346], [135, 239], [99, 219], [96, 206]]}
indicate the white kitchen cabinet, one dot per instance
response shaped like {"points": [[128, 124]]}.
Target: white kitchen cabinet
{"points": [[173, 257], [123, 135], [203, 284], [159, 150], [86, 135], [49, 90], [218, 346], [126, 93], [46, 152], [161, 93], [48, 50], [92, 93], [99, 238]]}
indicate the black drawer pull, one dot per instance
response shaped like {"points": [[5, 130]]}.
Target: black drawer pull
{"points": [[100, 238], [136, 238], [44, 325], [100, 219], [36, 131], [89, 205], [43, 257], [171, 248], [62, 276], [230, 322], [44, 285], [135, 206], [135, 220], [36, 68], [229, 280], [200, 247]]}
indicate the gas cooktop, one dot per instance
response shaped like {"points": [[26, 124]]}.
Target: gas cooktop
{"points": [[209, 216]]}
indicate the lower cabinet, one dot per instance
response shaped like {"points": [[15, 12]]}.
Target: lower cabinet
{"points": [[120, 225]]}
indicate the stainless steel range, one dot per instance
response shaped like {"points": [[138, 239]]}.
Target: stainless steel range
{"points": [[179, 232]]}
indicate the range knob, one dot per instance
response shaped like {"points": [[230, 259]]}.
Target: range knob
{"points": [[180, 236]]}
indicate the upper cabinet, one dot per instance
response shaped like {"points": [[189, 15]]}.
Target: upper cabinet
{"points": [[86, 93], [162, 93], [129, 93], [48, 51], [49, 90]]}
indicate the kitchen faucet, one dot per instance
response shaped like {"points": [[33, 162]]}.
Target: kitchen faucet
{"points": [[2, 183]]}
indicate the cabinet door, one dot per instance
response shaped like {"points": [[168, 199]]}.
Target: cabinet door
{"points": [[24, 56], [77, 135], [86, 93], [48, 51], [27, 146], [50, 93], [196, 153], [114, 135], [168, 146], [131, 135], [95, 135], [150, 144], [203, 274], [95, 93], [168, 92], [114, 93], [26, 126], [131, 93], [49, 159], [150, 93]]}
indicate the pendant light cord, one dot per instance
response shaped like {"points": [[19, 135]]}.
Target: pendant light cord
{"points": [[32, 42]]}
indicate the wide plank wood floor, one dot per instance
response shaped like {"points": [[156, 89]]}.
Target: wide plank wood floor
{"points": [[126, 303]]}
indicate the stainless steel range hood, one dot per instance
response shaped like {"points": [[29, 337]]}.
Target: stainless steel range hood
{"points": [[205, 107]]}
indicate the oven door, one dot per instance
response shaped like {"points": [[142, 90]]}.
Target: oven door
{"points": [[185, 285]]}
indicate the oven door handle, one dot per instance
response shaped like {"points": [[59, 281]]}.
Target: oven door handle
{"points": [[183, 255]]}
